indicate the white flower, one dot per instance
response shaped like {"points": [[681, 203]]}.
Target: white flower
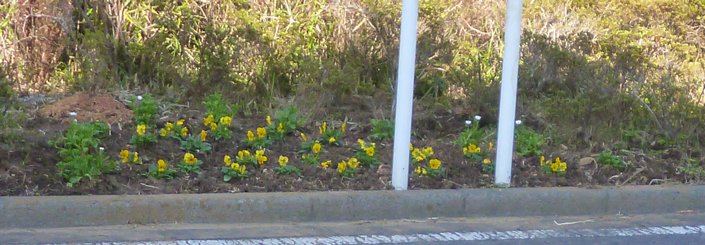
{"points": [[139, 97], [517, 122], [72, 114], [468, 122], [478, 117]]}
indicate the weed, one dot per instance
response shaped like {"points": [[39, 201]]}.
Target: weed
{"points": [[145, 110], [528, 142], [216, 108], [382, 130], [287, 120], [693, 169], [472, 135], [80, 152], [607, 159]]}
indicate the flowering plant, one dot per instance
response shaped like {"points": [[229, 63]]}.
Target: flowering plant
{"points": [[142, 137], [312, 158], [419, 155], [433, 169], [232, 169], [366, 153], [331, 135], [221, 130], [258, 142], [286, 169], [196, 144], [161, 170], [557, 167], [190, 164], [348, 169], [130, 157]]}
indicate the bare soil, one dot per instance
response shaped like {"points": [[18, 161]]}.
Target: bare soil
{"points": [[29, 167]]}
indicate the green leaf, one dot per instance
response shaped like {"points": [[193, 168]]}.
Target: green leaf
{"points": [[75, 179], [227, 178]]}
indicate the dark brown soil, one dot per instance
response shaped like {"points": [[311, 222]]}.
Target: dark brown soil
{"points": [[29, 167]]}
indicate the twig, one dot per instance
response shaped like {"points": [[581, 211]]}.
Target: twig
{"points": [[574, 222], [150, 186]]}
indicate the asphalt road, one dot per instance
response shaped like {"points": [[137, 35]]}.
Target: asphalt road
{"points": [[681, 228]]}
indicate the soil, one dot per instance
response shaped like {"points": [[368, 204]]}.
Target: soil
{"points": [[28, 168]]}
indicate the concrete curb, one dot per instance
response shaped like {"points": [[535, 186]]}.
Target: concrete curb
{"points": [[76, 211]]}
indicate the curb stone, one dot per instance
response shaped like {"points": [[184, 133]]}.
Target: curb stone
{"points": [[77, 211]]}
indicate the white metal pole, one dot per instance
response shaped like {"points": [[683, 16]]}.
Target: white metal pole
{"points": [[405, 94], [508, 96]]}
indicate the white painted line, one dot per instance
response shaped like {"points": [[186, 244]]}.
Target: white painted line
{"points": [[437, 237]]}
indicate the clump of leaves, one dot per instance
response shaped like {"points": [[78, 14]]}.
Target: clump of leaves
{"points": [[145, 110], [472, 135], [382, 129], [607, 159], [217, 108], [289, 119], [80, 152], [528, 142], [196, 144]]}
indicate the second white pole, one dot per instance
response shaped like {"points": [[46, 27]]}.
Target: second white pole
{"points": [[508, 94], [405, 94]]}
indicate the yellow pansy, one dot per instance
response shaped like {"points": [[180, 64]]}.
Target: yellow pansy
{"points": [[226, 120], [269, 120], [227, 160], [169, 126], [141, 129], [161, 165], [204, 134], [250, 135], [331, 140], [180, 122], [370, 151], [190, 158], [322, 129], [184, 131], [341, 167], [303, 137], [280, 128], [135, 158], [163, 133], [342, 127], [353, 163], [214, 126], [208, 120], [283, 161], [326, 164], [316, 148], [125, 154], [434, 164], [487, 161], [261, 132]]}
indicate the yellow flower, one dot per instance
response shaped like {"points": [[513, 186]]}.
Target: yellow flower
{"points": [[418, 155], [543, 159], [250, 135], [418, 170], [235, 166], [163, 132], [316, 148], [342, 127], [204, 134], [261, 160], [322, 128], [554, 167], [169, 126], [283, 161], [411, 146], [135, 158], [562, 167], [242, 169], [141, 129], [353, 163], [428, 151], [423, 171], [472, 148], [487, 161], [226, 120], [558, 160], [465, 150], [243, 153], [259, 153], [326, 164], [189, 158], [331, 140], [125, 154], [184, 131], [227, 160], [489, 148], [208, 120], [370, 151], [261, 132], [303, 137], [434, 164], [161, 165], [341, 167], [180, 122], [269, 120], [361, 142], [280, 128], [214, 126]]}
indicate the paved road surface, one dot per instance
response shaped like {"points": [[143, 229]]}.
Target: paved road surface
{"points": [[683, 228]]}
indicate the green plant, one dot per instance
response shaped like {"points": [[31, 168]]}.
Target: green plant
{"points": [[161, 170], [331, 135], [366, 153], [472, 135], [692, 169], [80, 152], [418, 155], [143, 137], [232, 169], [216, 108], [222, 130], [348, 169], [433, 169], [145, 110], [475, 153], [488, 166], [197, 145], [190, 164], [307, 146], [607, 159], [244, 157], [277, 132], [286, 169], [382, 130], [130, 157], [259, 142], [288, 118], [528, 142], [313, 157], [558, 167]]}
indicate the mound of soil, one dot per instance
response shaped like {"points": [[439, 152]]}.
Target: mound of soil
{"points": [[88, 107]]}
